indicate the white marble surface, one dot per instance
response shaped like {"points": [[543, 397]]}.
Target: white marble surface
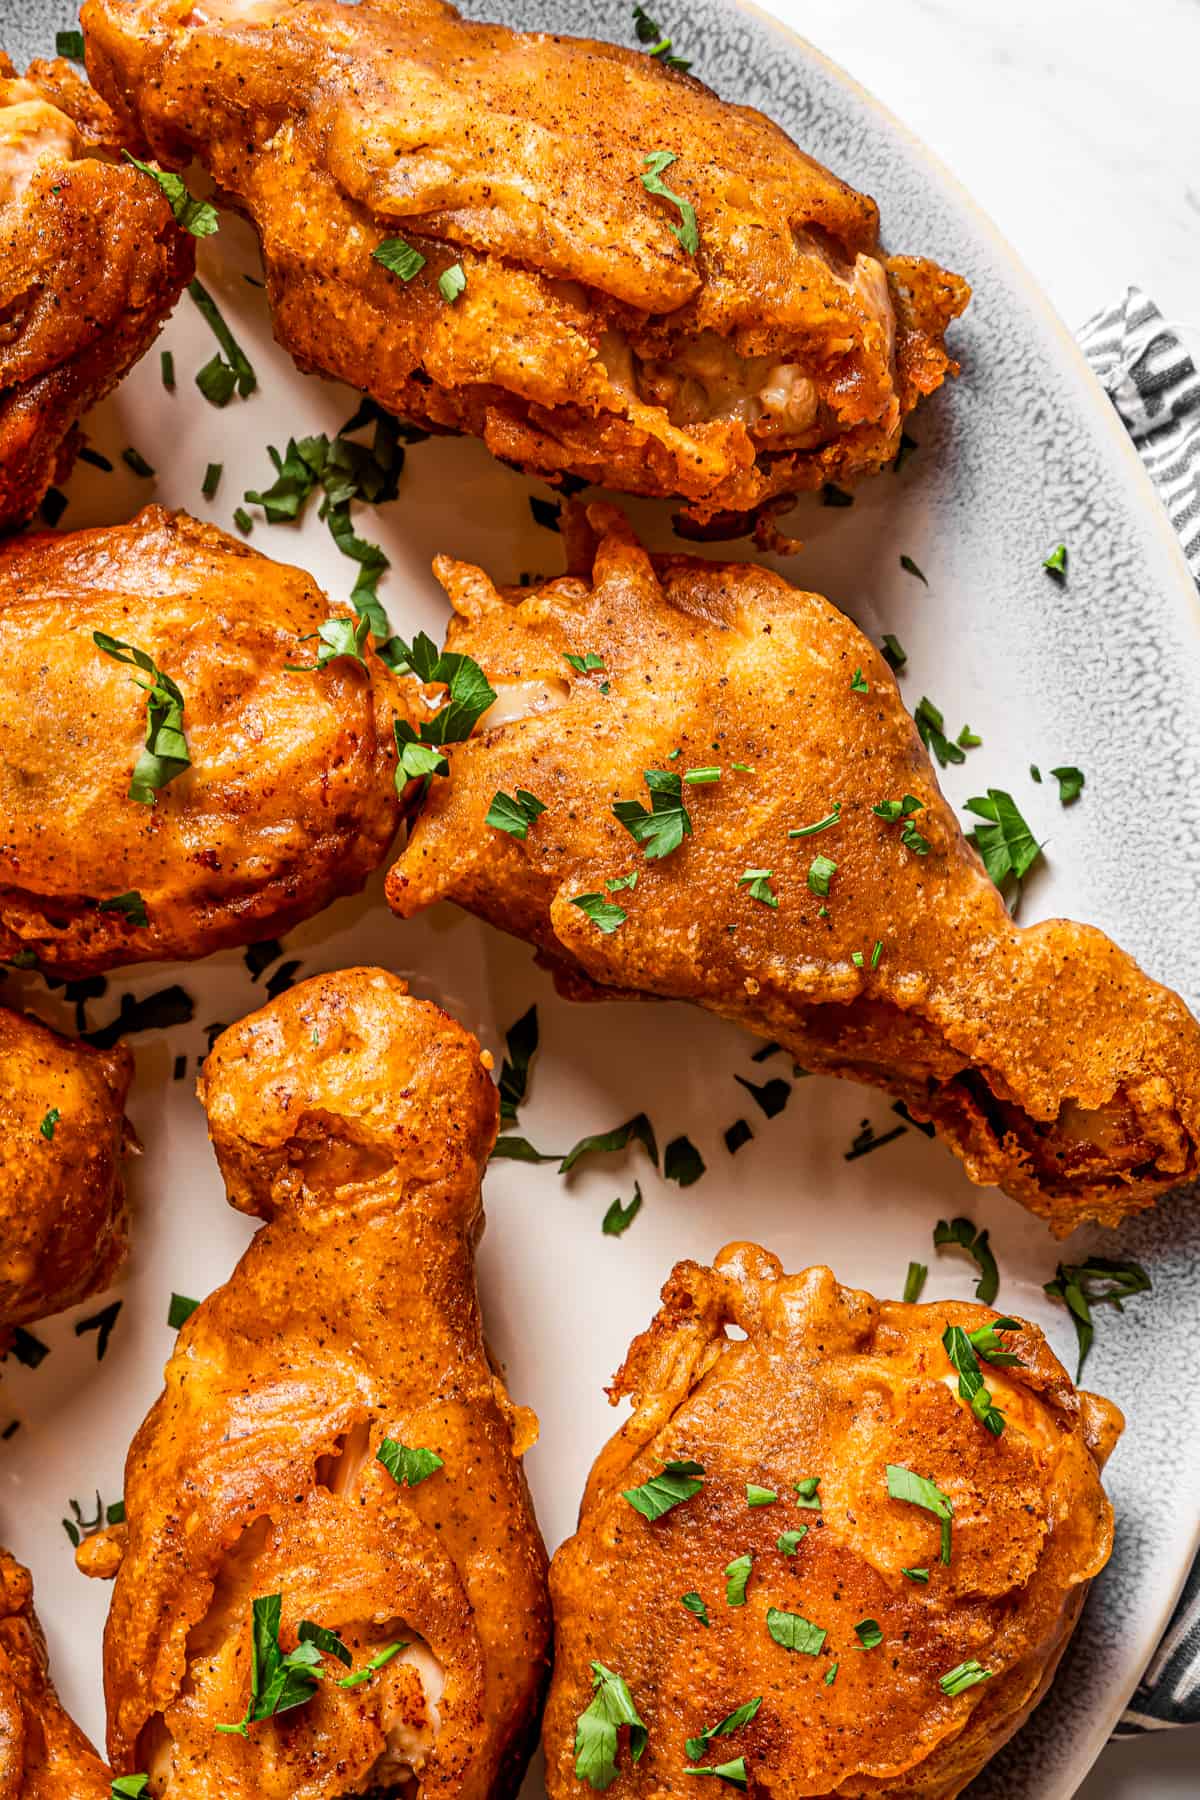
{"points": [[1075, 124]]}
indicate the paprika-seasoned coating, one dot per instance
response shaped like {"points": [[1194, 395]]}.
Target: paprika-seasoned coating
{"points": [[63, 1218], [827, 1387], [289, 800], [1045, 1058], [43, 1753], [91, 263], [356, 1123], [585, 337]]}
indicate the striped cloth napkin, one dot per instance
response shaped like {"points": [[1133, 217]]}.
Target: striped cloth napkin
{"points": [[1154, 385]]}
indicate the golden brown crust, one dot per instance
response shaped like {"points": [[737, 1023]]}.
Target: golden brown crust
{"points": [[91, 263], [1044, 1056], [357, 1123], [290, 799], [827, 1382], [587, 340], [43, 1753], [63, 1218]]}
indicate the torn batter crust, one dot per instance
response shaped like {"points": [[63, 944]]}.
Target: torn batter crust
{"points": [[1045, 1058]]}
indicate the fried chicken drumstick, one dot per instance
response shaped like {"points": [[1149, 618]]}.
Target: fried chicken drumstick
{"points": [[547, 295], [887, 1582], [63, 1220], [91, 263], [333, 1432], [1044, 1057], [43, 1753], [266, 797]]}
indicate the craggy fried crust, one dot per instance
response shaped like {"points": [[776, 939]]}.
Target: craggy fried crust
{"points": [[91, 263], [63, 1218], [1044, 1056], [290, 800], [43, 1753], [519, 156], [357, 1123], [827, 1382]]}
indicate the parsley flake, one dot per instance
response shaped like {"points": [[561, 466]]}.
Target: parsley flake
{"points": [[49, 1122], [368, 1669], [521, 1042], [636, 1130], [243, 374], [869, 1634], [1005, 842], [661, 830], [398, 257], [794, 1632], [597, 1729], [967, 1675], [583, 665], [337, 637], [918, 1490], [195, 216], [859, 683], [806, 1492], [678, 1481], [919, 1575], [452, 282], [603, 914], [737, 1574], [734, 1772], [686, 231], [1070, 783], [70, 45], [760, 1496], [166, 754], [910, 568], [696, 1605], [930, 722], [1097, 1282], [787, 1541], [278, 1682], [820, 872], [650, 33], [914, 1282], [682, 1162], [962, 1233], [407, 1467], [1056, 563], [894, 653], [758, 881], [131, 906], [128, 1787], [619, 1216], [180, 1310], [514, 815], [696, 1747], [831, 818], [962, 1351]]}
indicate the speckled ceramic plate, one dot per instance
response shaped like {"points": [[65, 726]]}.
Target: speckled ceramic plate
{"points": [[1022, 452]]}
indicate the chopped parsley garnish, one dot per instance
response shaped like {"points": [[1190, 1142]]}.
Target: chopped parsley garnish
{"points": [[831, 1674], [760, 1496], [835, 496], [167, 366], [377, 1662], [865, 1139], [636, 1130], [212, 480], [967, 1675], [415, 760], [468, 696], [831, 818], [678, 1481], [166, 753], [519, 1149], [620, 1215], [962, 1232], [1097, 1282], [893, 811], [129, 1787], [859, 683], [914, 1282], [910, 568], [49, 1122], [1070, 783], [195, 216], [596, 1732], [88, 455], [919, 1575], [616, 882], [734, 1771], [686, 231], [794, 1632], [772, 1096], [1056, 563], [102, 1324], [521, 1042], [968, 739], [806, 1492], [180, 1310], [787, 1541], [696, 1605], [758, 881], [894, 653], [737, 1574], [918, 1490], [337, 637], [243, 521], [736, 1135], [328, 1642], [244, 376], [277, 1682], [696, 1747], [546, 513], [1005, 842], [217, 380], [650, 33], [155, 1012], [133, 459], [407, 1467], [53, 506], [28, 1349], [682, 1162], [600, 911], [820, 872], [907, 446], [70, 45], [398, 258], [868, 1633], [963, 1351], [931, 728], [451, 283], [664, 827], [702, 777], [513, 813], [583, 665]]}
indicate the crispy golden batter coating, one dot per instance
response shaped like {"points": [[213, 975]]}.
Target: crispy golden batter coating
{"points": [[63, 1219], [1044, 1056], [91, 263], [832, 1384], [587, 340], [289, 801], [357, 1123], [43, 1753]]}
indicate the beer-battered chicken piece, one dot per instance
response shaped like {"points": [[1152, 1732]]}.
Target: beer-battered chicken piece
{"points": [[91, 263], [289, 798], [1043, 1056], [563, 310], [43, 1753], [356, 1123], [879, 1647], [63, 1218]]}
